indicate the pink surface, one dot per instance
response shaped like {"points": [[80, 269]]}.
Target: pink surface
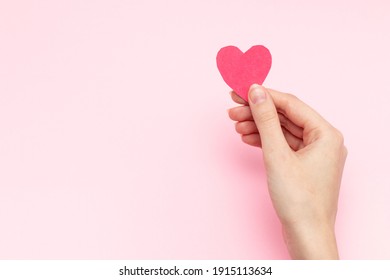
{"points": [[241, 70], [115, 141]]}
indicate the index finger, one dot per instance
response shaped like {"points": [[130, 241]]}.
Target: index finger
{"points": [[297, 111], [236, 98]]}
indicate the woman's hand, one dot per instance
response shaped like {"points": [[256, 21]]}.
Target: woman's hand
{"points": [[304, 158]]}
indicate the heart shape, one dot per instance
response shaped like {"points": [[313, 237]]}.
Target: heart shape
{"points": [[240, 70]]}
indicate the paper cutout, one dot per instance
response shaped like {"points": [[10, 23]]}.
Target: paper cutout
{"points": [[240, 70]]}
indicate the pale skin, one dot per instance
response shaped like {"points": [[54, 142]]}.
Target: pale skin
{"points": [[304, 157]]}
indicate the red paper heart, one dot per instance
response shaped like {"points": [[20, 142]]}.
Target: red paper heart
{"points": [[240, 70]]}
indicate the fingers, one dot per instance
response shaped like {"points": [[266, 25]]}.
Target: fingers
{"points": [[299, 124], [297, 112], [267, 121], [294, 142], [246, 127], [290, 106], [252, 139], [241, 113], [236, 98], [244, 117], [250, 134], [290, 126]]}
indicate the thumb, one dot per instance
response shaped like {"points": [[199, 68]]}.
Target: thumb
{"points": [[267, 121]]}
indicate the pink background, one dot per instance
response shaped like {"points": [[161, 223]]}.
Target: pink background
{"points": [[114, 137]]}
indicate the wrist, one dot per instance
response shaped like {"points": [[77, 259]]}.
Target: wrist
{"points": [[311, 241]]}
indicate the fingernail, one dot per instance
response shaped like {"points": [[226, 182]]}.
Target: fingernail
{"points": [[257, 94]]}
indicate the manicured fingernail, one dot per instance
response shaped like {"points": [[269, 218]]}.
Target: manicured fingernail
{"points": [[257, 94]]}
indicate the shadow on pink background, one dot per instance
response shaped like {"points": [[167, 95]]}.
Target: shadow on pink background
{"points": [[114, 136]]}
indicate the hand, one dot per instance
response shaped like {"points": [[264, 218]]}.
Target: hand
{"points": [[304, 158]]}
